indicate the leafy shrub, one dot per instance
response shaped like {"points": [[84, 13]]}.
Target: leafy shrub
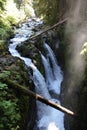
{"points": [[9, 110], [4, 74], [11, 20], [4, 29]]}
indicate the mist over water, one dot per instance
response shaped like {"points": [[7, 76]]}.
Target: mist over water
{"points": [[77, 33]]}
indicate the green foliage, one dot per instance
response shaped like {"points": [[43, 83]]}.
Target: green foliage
{"points": [[3, 86], [47, 9], [5, 74], [17, 76], [5, 28], [3, 25], [2, 2], [11, 20], [11, 15], [9, 111], [2, 46]]}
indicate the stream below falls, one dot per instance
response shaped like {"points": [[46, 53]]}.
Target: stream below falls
{"points": [[49, 86]]}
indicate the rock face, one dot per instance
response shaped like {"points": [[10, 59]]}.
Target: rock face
{"points": [[73, 95], [27, 49]]}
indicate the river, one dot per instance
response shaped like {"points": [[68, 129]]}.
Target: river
{"points": [[49, 86]]}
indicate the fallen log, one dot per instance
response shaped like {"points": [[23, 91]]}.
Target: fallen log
{"points": [[23, 89], [49, 28]]}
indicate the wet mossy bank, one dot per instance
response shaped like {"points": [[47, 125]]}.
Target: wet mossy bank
{"points": [[14, 105]]}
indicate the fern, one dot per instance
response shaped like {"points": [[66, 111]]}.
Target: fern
{"points": [[5, 74]]}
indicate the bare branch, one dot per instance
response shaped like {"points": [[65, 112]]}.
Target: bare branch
{"points": [[49, 28]]}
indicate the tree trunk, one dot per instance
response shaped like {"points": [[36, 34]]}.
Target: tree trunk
{"points": [[47, 29], [23, 89]]}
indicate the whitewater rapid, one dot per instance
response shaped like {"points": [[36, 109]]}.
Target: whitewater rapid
{"points": [[47, 118]]}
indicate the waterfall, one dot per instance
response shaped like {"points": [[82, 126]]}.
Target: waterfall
{"points": [[52, 70], [47, 118], [52, 58], [48, 70]]}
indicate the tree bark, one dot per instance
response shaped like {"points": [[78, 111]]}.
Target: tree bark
{"points": [[49, 28], [23, 89]]}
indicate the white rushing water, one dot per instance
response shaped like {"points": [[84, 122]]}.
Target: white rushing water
{"points": [[48, 118]]}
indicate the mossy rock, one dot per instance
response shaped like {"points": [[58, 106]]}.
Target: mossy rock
{"points": [[2, 46], [16, 70]]}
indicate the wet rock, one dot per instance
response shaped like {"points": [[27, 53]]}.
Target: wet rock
{"points": [[28, 50]]}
